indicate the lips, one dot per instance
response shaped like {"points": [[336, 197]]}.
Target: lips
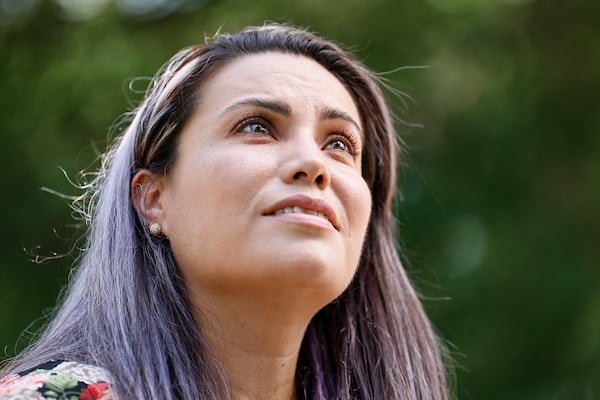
{"points": [[302, 204]]}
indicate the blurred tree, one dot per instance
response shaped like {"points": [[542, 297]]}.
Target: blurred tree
{"points": [[498, 208]]}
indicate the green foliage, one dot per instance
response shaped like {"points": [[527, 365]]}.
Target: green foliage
{"points": [[498, 209]]}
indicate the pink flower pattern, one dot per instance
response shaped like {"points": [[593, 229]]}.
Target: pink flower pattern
{"points": [[57, 379]]}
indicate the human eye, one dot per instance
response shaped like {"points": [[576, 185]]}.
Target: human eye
{"points": [[344, 143], [253, 125]]}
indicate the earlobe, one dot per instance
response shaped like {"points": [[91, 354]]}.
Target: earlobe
{"points": [[147, 190]]}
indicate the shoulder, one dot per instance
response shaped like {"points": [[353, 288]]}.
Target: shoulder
{"points": [[57, 379]]}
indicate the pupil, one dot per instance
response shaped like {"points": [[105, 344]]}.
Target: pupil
{"points": [[257, 128]]}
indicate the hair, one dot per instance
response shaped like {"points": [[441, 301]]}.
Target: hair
{"points": [[126, 307]]}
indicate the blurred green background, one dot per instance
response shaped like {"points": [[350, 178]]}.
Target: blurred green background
{"points": [[500, 188]]}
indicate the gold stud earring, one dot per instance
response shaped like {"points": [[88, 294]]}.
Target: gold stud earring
{"points": [[155, 229]]}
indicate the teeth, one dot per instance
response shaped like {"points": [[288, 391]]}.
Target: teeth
{"points": [[299, 210]]}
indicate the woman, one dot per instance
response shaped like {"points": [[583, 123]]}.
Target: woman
{"points": [[241, 241]]}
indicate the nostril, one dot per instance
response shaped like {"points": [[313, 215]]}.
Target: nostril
{"points": [[300, 174], [319, 179]]}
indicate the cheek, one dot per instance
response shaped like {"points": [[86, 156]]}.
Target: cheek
{"points": [[364, 212], [357, 199], [216, 178], [362, 201], [214, 189]]}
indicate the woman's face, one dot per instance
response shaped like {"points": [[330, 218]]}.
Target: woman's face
{"points": [[266, 193]]}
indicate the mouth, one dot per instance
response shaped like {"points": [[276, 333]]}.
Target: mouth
{"points": [[305, 205], [300, 210]]}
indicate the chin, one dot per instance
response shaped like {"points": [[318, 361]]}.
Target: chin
{"points": [[312, 275]]}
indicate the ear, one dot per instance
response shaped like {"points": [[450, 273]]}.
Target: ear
{"points": [[147, 195]]}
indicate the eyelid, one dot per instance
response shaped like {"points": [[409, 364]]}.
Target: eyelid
{"points": [[251, 118], [352, 139]]}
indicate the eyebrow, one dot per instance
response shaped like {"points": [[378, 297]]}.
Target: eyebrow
{"points": [[334, 113], [275, 106], [285, 109]]}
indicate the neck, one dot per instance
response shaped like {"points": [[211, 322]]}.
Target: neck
{"points": [[257, 343], [258, 376]]}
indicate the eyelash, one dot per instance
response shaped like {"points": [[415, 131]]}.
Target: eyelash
{"points": [[349, 141], [252, 119], [347, 138]]}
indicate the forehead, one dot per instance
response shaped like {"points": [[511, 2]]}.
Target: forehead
{"points": [[296, 79]]}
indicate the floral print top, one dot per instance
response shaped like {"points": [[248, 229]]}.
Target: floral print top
{"points": [[59, 380]]}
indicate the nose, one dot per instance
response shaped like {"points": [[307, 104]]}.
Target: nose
{"points": [[305, 163]]}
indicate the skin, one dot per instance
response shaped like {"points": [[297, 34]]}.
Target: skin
{"points": [[269, 128]]}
